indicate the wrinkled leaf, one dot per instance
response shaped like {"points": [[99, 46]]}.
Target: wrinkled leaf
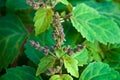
{"points": [[42, 19], [13, 5], [99, 71], [94, 26], [20, 73], [81, 57], [71, 65], [61, 77], [107, 9], [12, 35], [45, 63], [44, 39]]}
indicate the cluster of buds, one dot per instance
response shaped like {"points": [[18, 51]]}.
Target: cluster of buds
{"points": [[52, 71], [37, 46], [35, 4], [70, 51], [58, 33], [78, 48]]}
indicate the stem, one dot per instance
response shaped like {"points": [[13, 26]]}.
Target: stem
{"points": [[58, 33], [52, 54], [55, 3], [51, 3]]}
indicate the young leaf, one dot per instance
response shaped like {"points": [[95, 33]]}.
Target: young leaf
{"points": [[61, 77], [12, 35], [99, 71], [42, 19], [20, 73], [81, 57], [44, 39], [45, 63], [93, 26], [13, 5], [71, 65]]}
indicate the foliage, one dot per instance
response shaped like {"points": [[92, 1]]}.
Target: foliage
{"points": [[103, 73], [18, 73], [42, 16], [60, 40]]}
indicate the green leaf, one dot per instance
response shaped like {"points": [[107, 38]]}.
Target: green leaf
{"points": [[71, 65], [81, 57], [64, 2], [2, 3], [75, 2], [44, 39], [112, 57], [94, 26], [20, 73], [26, 16], [42, 19], [45, 63], [13, 5], [107, 9], [12, 35], [61, 77], [99, 71], [95, 51]]}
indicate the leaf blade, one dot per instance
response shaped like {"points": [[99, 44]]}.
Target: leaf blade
{"points": [[71, 65], [61, 77], [81, 57], [103, 73], [20, 73], [95, 27], [42, 19], [45, 63], [64, 2], [13, 5], [12, 33], [109, 10], [112, 56], [44, 39]]}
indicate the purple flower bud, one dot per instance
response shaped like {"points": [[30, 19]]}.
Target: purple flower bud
{"points": [[46, 51], [75, 50], [70, 51], [80, 47]]}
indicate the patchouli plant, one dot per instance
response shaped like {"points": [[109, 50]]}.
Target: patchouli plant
{"points": [[60, 40]]}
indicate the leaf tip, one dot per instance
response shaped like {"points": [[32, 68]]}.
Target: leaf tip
{"points": [[37, 74]]}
